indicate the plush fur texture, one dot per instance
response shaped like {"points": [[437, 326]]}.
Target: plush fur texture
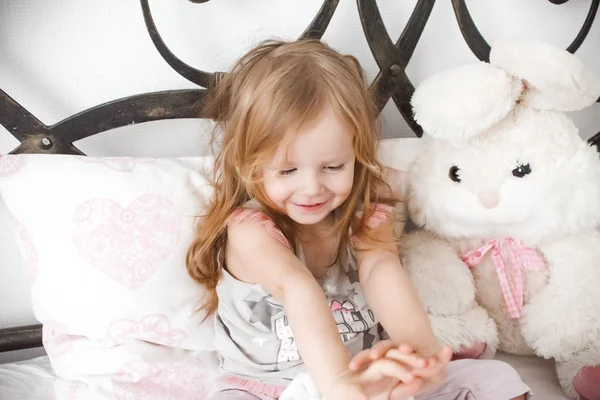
{"points": [[485, 134], [448, 105], [558, 80]]}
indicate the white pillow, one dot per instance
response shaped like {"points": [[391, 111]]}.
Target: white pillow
{"points": [[104, 241]]}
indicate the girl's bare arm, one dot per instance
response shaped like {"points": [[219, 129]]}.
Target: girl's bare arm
{"points": [[390, 293], [254, 256]]}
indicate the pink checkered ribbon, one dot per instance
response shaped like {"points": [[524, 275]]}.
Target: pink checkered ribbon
{"points": [[512, 284]]}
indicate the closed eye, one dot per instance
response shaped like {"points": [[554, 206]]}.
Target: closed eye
{"points": [[335, 168], [286, 172]]}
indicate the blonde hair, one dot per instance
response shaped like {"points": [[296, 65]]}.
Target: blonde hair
{"points": [[270, 94]]}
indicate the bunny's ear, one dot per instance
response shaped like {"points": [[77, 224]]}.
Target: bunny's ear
{"points": [[555, 78], [464, 102]]}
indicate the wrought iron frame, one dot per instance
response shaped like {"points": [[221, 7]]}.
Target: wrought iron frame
{"points": [[391, 82]]}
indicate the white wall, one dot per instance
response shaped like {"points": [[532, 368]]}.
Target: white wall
{"points": [[59, 58]]}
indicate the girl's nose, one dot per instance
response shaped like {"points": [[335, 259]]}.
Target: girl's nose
{"points": [[312, 185]]}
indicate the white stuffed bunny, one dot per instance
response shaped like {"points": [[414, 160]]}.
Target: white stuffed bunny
{"points": [[506, 196]]}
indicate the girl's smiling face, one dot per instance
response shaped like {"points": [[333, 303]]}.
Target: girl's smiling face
{"points": [[314, 174]]}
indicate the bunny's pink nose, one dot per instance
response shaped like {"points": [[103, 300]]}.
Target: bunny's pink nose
{"points": [[489, 199]]}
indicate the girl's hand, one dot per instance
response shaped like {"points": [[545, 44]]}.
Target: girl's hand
{"points": [[346, 386], [406, 354], [434, 372], [389, 379], [381, 379], [431, 370]]}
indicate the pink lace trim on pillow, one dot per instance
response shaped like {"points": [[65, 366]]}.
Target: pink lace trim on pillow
{"points": [[249, 214]]}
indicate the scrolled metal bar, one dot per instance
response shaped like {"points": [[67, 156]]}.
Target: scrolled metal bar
{"points": [[169, 104], [24, 337], [481, 48], [392, 81], [469, 30], [16, 119], [379, 41], [46, 143], [585, 29], [595, 140], [321, 21], [200, 78], [59, 138], [413, 30]]}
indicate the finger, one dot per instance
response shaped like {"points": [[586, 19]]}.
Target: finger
{"points": [[406, 348], [403, 390], [380, 348], [413, 360], [439, 360], [433, 363], [445, 355], [360, 360], [430, 363], [365, 357], [386, 368], [442, 357], [432, 368]]}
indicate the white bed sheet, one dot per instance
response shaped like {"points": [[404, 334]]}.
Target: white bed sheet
{"points": [[34, 379], [27, 380]]}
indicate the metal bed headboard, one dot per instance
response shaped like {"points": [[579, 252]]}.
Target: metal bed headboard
{"points": [[391, 82]]}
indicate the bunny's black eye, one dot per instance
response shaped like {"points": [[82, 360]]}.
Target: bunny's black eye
{"points": [[521, 170], [453, 173]]}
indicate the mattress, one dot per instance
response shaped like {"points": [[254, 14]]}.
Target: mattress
{"points": [[34, 380]]}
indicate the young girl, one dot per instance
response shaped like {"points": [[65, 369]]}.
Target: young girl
{"points": [[297, 251]]}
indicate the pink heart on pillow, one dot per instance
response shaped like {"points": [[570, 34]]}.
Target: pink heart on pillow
{"points": [[10, 165], [139, 380], [127, 244]]}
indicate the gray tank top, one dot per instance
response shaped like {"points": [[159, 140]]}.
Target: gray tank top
{"points": [[253, 336]]}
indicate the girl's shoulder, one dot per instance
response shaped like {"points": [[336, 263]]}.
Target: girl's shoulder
{"points": [[251, 213], [257, 252]]}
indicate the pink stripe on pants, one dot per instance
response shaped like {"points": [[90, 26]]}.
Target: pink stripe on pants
{"points": [[255, 387]]}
